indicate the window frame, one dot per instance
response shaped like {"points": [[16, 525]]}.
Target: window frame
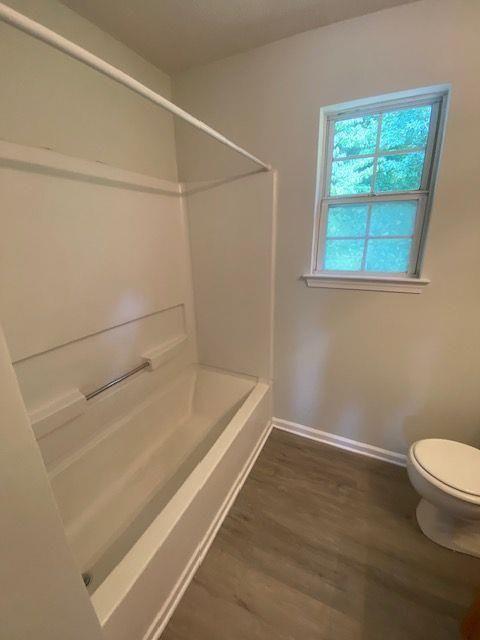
{"points": [[424, 195]]}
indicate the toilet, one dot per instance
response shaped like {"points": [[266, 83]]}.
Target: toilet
{"points": [[447, 476]]}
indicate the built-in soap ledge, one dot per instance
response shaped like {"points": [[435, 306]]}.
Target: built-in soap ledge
{"points": [[56, 413], [73, 403], [165, 352]]}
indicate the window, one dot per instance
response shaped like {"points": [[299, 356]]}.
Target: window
{"points": [[378, 173]]}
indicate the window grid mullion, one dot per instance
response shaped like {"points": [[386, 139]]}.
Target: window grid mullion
{"points": [[370, 237], [394, 152], [367, 232], [375, 197], [375, 160]]}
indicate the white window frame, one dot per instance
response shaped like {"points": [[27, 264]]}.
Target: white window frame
{"points": [[411, 281]]}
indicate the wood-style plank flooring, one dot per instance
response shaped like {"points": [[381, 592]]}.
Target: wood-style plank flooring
{"points": [[322, 544]]}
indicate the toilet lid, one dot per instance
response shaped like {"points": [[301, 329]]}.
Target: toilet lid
{"points": [[453, 463]]}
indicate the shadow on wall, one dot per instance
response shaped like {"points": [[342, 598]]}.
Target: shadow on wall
{"points": [[384, 369], [190, 189], [347, 383]]}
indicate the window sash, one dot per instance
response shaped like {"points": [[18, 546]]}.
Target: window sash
{"points": [[388, 105], [421, 195], [427, 163], [421, 200]]}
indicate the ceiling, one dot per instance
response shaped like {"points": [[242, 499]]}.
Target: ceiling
{"points": [[178, 34]]}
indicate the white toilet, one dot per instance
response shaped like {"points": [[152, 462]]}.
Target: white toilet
{"points": [[447, 476]]}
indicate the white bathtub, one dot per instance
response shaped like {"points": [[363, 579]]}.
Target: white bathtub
{"points": [[142, 501]]}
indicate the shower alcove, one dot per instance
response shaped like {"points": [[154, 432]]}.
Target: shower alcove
{"points": [[137, 311]]}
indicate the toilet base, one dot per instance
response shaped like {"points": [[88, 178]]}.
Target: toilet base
{"points": [[449, 531]]}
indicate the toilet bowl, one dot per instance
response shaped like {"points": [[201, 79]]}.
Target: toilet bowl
{"points": [[447, 476]]}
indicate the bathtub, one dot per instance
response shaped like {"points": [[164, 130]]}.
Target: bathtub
{"points": [[142, 501]]}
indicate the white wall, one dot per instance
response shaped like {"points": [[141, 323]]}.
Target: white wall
{"points": [[230, 204], [231, 241], [49, 100], [383, 368]]}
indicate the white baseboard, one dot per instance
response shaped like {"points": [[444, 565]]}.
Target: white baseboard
{"points": [[179, 589], [341, 442]]}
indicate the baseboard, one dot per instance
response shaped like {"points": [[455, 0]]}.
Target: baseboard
{"points": [[179, 589], [340, 442]]}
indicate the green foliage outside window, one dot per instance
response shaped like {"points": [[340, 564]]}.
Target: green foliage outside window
{"points": [[395, 142], [374, 154]]}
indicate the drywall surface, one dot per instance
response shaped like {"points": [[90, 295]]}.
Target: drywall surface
{"points": [[43, 595], [49, 100], [231, 240], [382, 368]]}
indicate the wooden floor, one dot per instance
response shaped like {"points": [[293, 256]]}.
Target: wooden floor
{"points": [[323, 544]]}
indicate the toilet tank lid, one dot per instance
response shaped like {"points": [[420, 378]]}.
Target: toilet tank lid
{"points": [[453, 463]]}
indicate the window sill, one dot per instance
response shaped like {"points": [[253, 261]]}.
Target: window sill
{"points": [[365, 283]]}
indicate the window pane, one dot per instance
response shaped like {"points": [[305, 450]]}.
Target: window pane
{"points": [[388, 255], [355, 136], [399, 172], [393, 218], [347, 220], [405, 129], [343, 255], [351, 176]]}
